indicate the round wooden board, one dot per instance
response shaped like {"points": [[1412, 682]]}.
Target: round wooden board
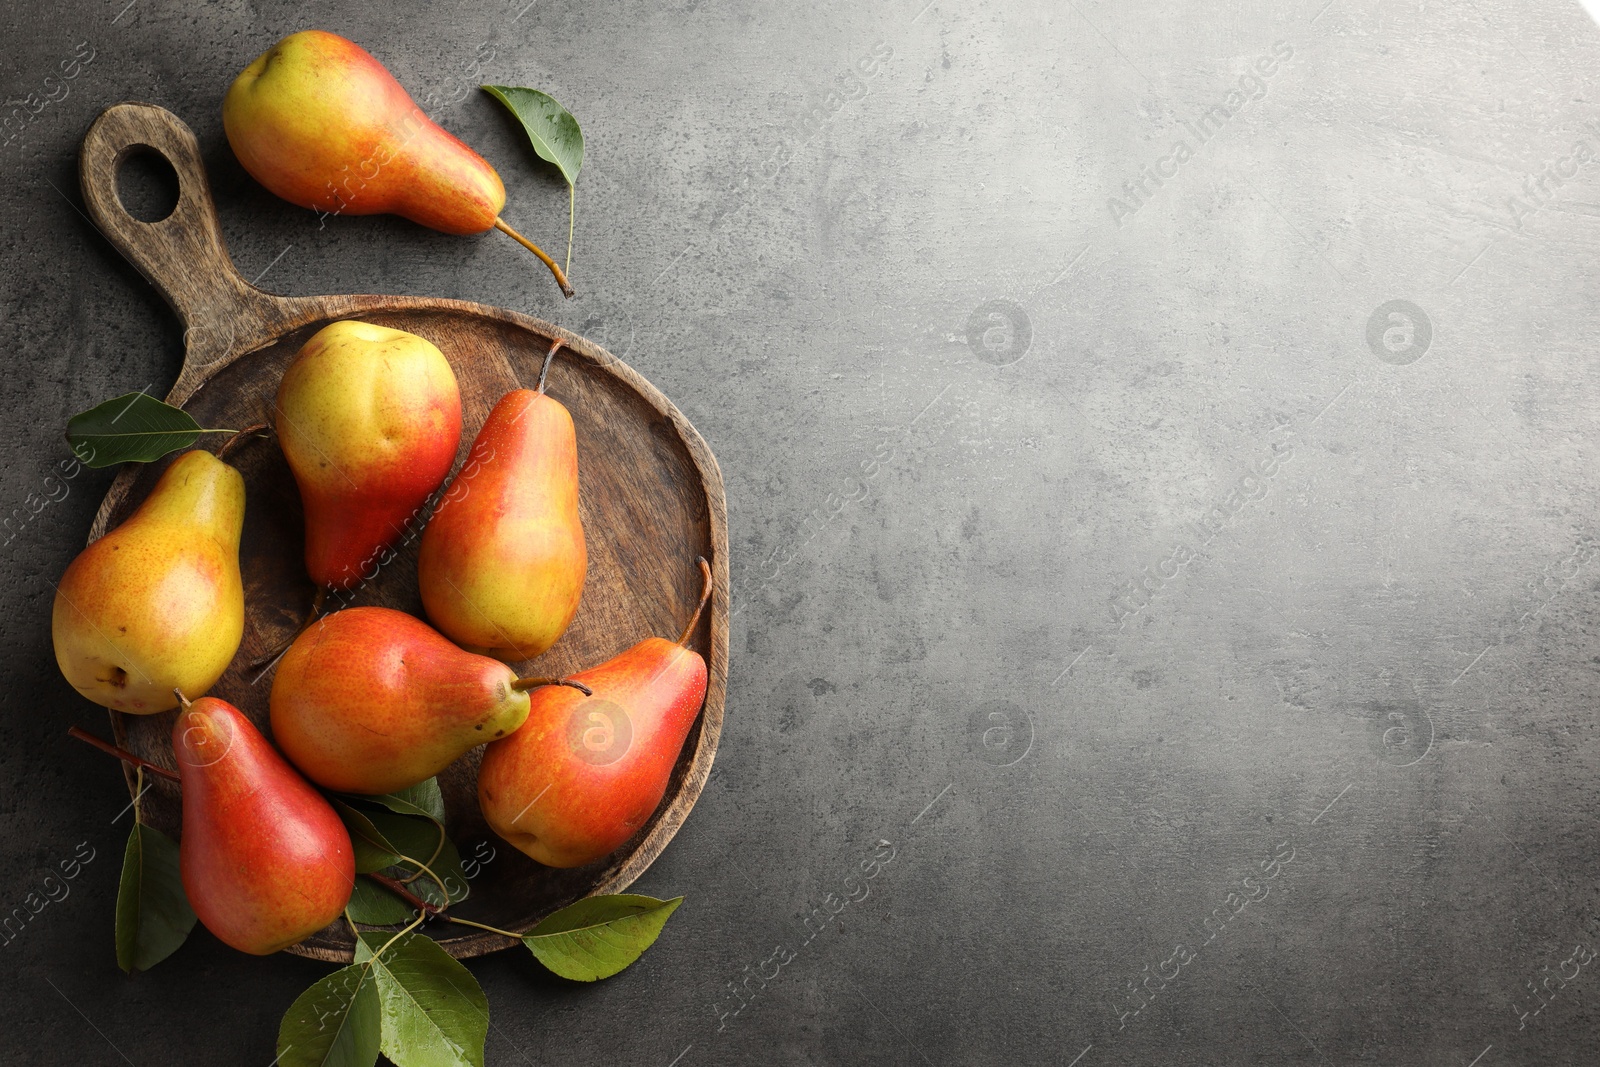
{"points": [[650, 494]]}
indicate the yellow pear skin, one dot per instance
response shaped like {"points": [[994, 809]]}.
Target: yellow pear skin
{"points": [[157, 604]]}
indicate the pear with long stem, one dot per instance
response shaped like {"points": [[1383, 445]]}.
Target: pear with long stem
{"points": [[321, 123], [587, 770], [503, 559]]}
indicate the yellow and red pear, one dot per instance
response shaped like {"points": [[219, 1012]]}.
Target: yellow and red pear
{"points": [[265, 860], [321, 123], [503, 558], [371, 700], [369, 419], [586, 771], [157, 603]]}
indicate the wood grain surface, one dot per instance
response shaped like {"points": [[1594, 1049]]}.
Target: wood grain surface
{"points": [[651, 499]]}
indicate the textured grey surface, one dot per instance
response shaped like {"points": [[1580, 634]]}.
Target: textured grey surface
{"points": [[1381, 657]]}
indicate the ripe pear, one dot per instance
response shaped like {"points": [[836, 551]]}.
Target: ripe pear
{"points": [[158, 602], [265, 860], [503, 559], [587, 770], [321, 123], [370, 420], [371, 700]]}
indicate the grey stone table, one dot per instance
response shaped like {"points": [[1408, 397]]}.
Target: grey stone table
{"points": [[1160, 445]]}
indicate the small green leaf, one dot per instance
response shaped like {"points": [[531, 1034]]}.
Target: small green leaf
{"points": [[373, 852], [422, 799], [335, 1023], [434, 1011], [551, 127], [153, 914], [133, 428], [599, 936], [373, 905]]}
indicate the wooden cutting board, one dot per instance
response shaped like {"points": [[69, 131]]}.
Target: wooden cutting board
{"points": [[650, 493]]}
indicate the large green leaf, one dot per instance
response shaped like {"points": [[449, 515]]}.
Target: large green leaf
{"points": [[335, 1023], [153, 914], [434, 1012], [554, 132], [422, 799], [599, 936], [373, 905], [133, 428]]}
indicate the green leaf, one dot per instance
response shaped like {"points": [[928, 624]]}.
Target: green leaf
{"points": [[599, 936], [335, 1023], [422, 799], [411, 836], [373, 905], [133, 428], [382, 838], [372, 849], [153, 914], [551, 127], [434, 1011]]}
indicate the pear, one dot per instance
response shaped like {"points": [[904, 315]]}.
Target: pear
{"points": [[371, 700], [587, 770], [158, 602], [265, 860], [503, 559], [322, 124], [370, 421]]}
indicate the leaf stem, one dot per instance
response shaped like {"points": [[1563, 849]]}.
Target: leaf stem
{"points": [[555, 268], [138, 791], [412, 926], [572, 208], [399, 890], [423, 868], [438, 848], [122, 754], [483, 926]]}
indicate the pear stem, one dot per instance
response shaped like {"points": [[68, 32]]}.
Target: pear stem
{"points": [[555, 268], [241, 435], [705, 595], [549, 357], [522, 685], [261, 666], [399, 890], [122, 754], [482, 926]]}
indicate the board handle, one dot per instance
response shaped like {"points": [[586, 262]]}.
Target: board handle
{"points": [[182, 255]]}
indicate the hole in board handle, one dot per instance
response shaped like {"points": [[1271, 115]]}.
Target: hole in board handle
{"points": [[147, 184]]}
